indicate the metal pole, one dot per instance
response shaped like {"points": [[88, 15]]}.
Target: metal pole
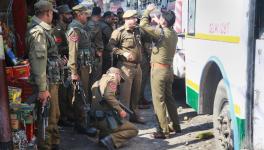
{"points": [[5, 128]]}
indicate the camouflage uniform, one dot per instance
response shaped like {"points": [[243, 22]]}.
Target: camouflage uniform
{"points": [[65, 93], [45, 74]]}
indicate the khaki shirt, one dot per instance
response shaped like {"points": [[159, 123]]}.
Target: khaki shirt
{"points": [[40, 46], [96, 35], [123, 40], [105, 88], [162, 52]]}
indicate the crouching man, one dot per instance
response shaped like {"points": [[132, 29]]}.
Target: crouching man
{"points": [[109, 116]]}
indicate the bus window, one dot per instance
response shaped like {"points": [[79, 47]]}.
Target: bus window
{"points": [[191, 17]]}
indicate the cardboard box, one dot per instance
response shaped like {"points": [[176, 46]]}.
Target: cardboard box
{"points": [[21, 71]]}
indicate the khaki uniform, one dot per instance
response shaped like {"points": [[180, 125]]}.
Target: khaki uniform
{"points": [[107, 54], [106, 88], [45, 73], [65, 93], [162, 74], [81, 59], [98, 45], [125, 40]]}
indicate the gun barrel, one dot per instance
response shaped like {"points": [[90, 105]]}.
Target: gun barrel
{"points": [[125, 108]]}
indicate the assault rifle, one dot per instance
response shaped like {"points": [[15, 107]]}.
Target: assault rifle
{"points": [[87, 109]]}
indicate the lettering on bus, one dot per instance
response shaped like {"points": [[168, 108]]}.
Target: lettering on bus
{"points": [[219, 28]]}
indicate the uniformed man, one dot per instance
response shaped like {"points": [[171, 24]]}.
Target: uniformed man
{"points": [[113, 134], [106, 24], [45, 70], [80, 60], [65, 93], [161, 71], [126, 43], [92, 26]]}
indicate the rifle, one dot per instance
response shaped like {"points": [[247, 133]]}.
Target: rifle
{"points": [[87, 106], [125, 108], [43, 117]]}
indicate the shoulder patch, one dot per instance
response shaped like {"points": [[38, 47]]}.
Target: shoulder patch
{"points": [[113, 86], [73, 36]]}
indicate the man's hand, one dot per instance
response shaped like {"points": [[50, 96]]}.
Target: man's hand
{"points": [[99, 53], [122, 114], [75, 77], [128, 56], [151, 7], [43, 96], [156, 19]]}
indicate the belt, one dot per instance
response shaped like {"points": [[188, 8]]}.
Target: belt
{"points": [[158, 65], [129, 64]]}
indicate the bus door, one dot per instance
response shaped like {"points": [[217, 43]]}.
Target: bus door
{"points": [[258, 108]]}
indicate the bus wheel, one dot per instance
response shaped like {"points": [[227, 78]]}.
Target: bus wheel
{"points": [[222, 119]]}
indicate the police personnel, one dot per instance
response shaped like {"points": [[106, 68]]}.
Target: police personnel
{"points": [[161, 71], [65, 94], [125, 42], [80, 60], [45, 70], [116, 131], [106, 24], [92, 26]]}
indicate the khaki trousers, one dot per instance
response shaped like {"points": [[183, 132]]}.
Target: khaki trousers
{"points": [[120, 135], [130, 88], [163, 100], [52, 131]]}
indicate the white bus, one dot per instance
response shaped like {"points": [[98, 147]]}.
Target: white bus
{"points": [[224, 55]]}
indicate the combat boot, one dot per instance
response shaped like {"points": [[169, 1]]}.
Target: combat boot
{"points": [[89, 131], [108, 142], [136, 119]]}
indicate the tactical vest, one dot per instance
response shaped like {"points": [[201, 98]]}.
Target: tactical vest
{"points": [[61, 40], [86, 54], [54, 65]]}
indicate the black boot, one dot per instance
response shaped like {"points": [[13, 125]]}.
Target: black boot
{"points": [[108, 142], [92, 132]]}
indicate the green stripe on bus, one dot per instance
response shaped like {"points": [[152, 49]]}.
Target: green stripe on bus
{"points": [[192, 98], [241, 129]]}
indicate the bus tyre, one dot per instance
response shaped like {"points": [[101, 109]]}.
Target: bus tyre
{"points": [[222, 120]]}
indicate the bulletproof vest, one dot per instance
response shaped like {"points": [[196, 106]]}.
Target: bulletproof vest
{"points": [[54, 65], [61, 40], [86, 54]]}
